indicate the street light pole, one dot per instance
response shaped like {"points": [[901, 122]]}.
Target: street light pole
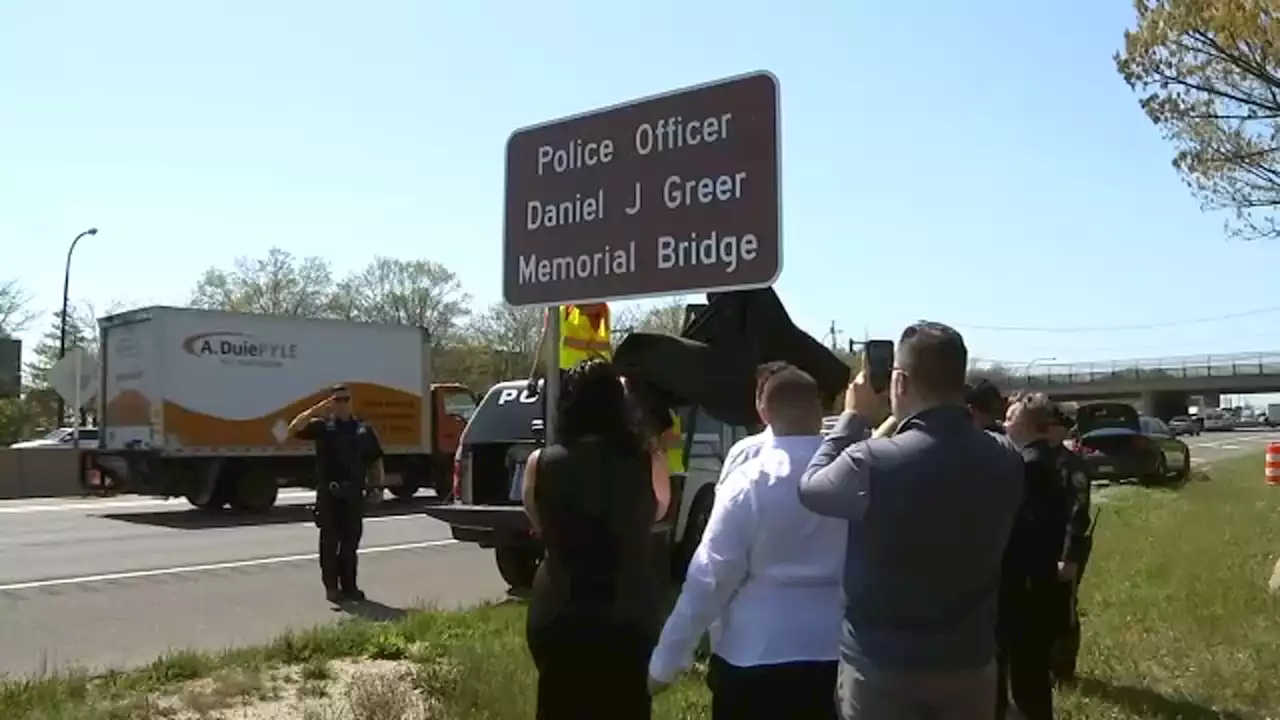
{"points": [[62, 330], [1027, 371]]}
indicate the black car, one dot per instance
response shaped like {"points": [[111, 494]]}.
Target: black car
{"points": [[1117, 443]]}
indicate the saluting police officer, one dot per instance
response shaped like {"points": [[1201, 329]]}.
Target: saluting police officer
{"points": [[1077, 548], [347, 451]]}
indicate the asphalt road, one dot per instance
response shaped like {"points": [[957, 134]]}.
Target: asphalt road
{"points": [[1212, 446], [117, 582]]}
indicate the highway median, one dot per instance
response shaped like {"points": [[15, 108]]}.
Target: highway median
{"points": [[1178, 623]]}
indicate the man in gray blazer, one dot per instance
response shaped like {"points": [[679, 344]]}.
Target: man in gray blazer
{"points": [[930, 508]]}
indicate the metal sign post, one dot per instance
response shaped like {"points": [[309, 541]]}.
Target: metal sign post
{"points": [[75, 425], [551, 385]]}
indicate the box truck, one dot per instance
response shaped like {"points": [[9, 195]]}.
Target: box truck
{"points": [[196, 404], [1272, 417]]}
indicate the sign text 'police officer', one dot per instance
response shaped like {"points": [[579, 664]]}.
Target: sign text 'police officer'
{"points": [[670, 194]]}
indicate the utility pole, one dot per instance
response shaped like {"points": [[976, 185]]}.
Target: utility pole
{"points": [[834, 336]]}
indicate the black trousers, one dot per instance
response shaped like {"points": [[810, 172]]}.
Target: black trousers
{"points": [[341, 524], [1031, 621], [786, 691], [1066, 647], [591, 669]]}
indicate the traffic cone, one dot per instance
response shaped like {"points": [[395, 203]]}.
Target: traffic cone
{"points": [[1273, 464]]}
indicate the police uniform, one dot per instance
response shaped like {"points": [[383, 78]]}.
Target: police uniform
{"points": [[1031, 601], [1077, 547], [345, 450]]}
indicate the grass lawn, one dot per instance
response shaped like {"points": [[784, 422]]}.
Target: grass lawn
{"points": [[1179, 625]]}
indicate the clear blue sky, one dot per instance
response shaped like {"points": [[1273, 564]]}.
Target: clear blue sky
{"points": [[979, 164]]}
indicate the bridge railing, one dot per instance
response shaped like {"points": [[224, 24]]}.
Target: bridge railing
{"points": [[1037, 374]]}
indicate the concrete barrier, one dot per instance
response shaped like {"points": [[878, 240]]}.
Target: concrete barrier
{"points": [[41, 472]]}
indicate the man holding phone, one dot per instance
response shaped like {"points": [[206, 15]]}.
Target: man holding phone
{"points": [[347, 451], [930, 508]]}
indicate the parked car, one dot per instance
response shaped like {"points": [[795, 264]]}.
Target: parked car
{"points": [[61, 438], [1219, 421], [1116, 443], [1186, 425]]}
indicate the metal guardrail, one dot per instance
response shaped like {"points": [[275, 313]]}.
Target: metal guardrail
{"points": [[1039, 374]]}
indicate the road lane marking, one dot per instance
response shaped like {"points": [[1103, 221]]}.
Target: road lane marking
{"points": [[187, 569], [116, 504]]}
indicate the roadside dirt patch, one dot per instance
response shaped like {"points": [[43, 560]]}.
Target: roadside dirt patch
{"points": [[335, 690]]}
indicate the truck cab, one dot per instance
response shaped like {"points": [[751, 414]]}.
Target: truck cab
{"points": [[508, 426], [452, 405]]}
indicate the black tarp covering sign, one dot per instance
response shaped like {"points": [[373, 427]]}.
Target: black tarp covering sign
{"points": [[713, 364]]}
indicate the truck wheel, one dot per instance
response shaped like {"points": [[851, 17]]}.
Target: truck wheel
{"points": [[405, 490], [254, 492], [699, 515], [518, 564], [444, 487], [441, 477], [206, 490]]}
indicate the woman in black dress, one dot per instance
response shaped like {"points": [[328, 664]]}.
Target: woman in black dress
{"points": [[593, 498]]}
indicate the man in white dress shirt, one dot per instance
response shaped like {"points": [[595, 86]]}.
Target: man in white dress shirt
{"points": [[765, 579], [749, 447]]}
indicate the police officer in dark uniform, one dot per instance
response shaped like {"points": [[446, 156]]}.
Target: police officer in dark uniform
{"points": [[1032, 608], [986, 405], [347, 451], [1076, 549]]}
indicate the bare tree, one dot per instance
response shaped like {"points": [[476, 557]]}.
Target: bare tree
{"points": [[510, 329], [408, 292], [666, 318], [279, 284], [15, 309]]}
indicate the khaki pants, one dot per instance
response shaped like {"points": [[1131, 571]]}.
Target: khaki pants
{"points": [[897, 695]]}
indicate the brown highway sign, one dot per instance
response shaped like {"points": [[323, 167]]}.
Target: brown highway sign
{"points": [[669, 194]]}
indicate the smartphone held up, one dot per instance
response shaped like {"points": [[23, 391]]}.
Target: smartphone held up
{"points": [[877, 363]]}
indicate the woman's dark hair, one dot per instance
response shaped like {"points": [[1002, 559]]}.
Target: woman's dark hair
{"points": [[594, 403]]}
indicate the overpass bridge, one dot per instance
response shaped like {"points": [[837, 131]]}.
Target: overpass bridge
{"points": [[1158, 381]]}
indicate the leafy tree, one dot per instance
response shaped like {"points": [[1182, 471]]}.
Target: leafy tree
{"points": [[422, 293], [625, 320], [666, 318], [412, 292], [41, 401], [15, 309], [1209, 76], [81, 332], [514, 330], [279, 284], [15, 316]]}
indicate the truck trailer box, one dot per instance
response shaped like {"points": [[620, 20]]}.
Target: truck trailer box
{"points": [[188, 382]]}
